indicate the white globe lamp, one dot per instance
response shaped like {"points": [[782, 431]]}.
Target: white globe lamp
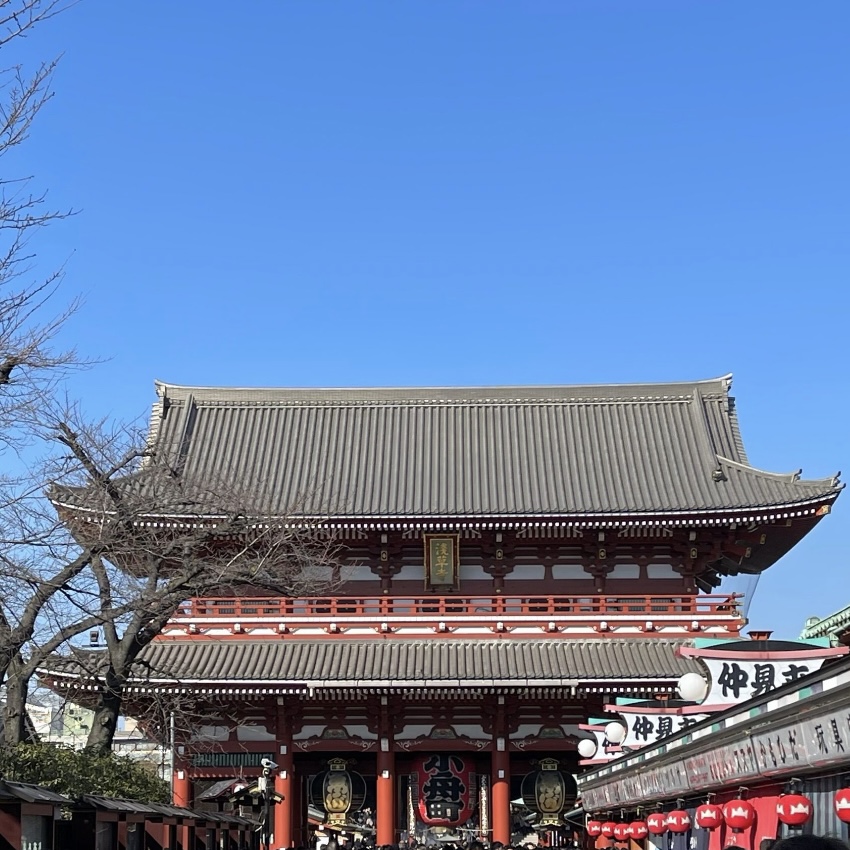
{"points": [[615, 732], [692, 687], [587, 748]]}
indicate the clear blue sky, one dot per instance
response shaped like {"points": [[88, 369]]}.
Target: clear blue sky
{"points": [[302, 192]]}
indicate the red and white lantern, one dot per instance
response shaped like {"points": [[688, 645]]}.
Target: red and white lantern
{"points": [[638, 830], [656, 823], [739, 815], [594, 828], [842, 804], [621, 832], [708, 816], [678, 821], [608, 828], [794, 809]]}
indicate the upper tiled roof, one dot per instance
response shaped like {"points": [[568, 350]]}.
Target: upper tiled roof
{"points": [[558, 451], [390, 663]]}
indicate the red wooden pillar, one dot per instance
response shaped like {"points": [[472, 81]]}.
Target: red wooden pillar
{"points": [[385, 782], [284, 784], [500, 780], [181, 795], [181, 785]]}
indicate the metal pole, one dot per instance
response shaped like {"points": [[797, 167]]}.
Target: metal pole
{"points": [[267, 809], [171, 758]]}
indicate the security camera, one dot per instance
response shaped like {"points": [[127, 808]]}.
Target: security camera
{"points": [[268, 764]]}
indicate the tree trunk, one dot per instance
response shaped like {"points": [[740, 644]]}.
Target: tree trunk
{"points": [[106, 714], [15, 711]]}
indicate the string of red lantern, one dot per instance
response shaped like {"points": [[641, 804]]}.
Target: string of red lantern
{"points": [[594, 828], [656, 823], [678, 821], [739, 814], [708, 816], [621, 831], [842, 804], [794, 809]]}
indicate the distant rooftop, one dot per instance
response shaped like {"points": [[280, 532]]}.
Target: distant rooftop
{"points": [[834, 626]]}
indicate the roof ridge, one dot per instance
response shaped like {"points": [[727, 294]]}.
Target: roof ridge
{"points": [[722, 384]]}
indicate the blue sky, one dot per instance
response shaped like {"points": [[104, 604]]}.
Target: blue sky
{"points": [[302, 192]]}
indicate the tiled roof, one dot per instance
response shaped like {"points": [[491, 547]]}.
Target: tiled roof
{"points": [[475, 452], [423, 663]]}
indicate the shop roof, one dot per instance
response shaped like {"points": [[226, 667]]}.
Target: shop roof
{"points": [[27, 793]]}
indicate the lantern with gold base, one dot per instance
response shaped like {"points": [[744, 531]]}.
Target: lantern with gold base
{"points": [[338, 791], [548, 792]]}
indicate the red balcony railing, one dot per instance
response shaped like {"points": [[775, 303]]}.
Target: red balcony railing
{"points": [[390, 613]]}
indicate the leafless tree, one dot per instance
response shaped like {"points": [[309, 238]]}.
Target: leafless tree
{"points": [[105, 559], [134, 539], [31, 365]]}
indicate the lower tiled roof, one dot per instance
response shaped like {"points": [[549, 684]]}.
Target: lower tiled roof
{"points": [[441, 662]]}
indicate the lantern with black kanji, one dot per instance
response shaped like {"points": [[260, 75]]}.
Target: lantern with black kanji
{"points": [[446, 785], [548, 792], [794, 809], [594, 828], [678, 821], [708, 816], [739, 815], [338, 791], [621, 832], [656, 823], [638, 830], [842, 804], [608, 828]]}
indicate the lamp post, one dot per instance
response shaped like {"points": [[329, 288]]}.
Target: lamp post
{"points": [[267, 789]]}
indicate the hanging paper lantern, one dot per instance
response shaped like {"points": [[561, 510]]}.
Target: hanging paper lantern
{"points": [[708, 816], [621, 831], [678, 821], [638, 830], [739, 815], [338, 791], [594, 828], [842, 804], [548, 792], [794, 809], [656, 823], [445, 783], [608, 828]]}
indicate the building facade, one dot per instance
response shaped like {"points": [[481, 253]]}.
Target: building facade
{"points": [[513, 558]]}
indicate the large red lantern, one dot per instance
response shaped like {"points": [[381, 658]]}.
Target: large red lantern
{"points": [[446, 789], [656, 823], [842, 804], [794, 809], [678, 821], [594, 828], [621, 832], [739, 815], [708, 816], [608, 828], [638, 830]]}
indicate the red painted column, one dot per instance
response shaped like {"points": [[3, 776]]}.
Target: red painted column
{"points": [[385, 796], [181, 785], [181, 795], [284, 784], [500, 780]]}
